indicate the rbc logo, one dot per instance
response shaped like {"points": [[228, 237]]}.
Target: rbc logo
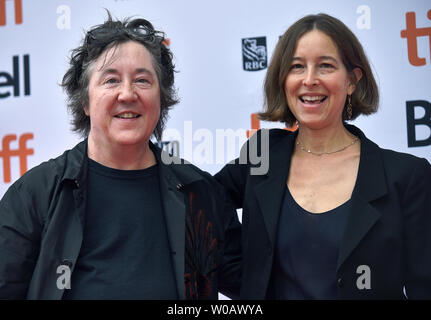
{"points": [[18, 12], [254, 55], [411, 33]]}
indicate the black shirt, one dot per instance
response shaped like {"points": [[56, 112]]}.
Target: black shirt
{"points": [[125, 251], [306, 252]]}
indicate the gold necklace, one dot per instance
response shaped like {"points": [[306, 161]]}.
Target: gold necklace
{"points": [[301, 146]]}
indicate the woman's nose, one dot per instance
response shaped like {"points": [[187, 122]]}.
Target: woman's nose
{"points": [[127, 92], [310, 79]]}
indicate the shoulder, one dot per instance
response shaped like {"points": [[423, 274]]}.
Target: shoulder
{"points": [[404, 165], [402, 161], [266, 140], [396, 158], [32, 194], [45, 176], [401, 169], [40, 175], [274, 135], [397, 165], [189, 174]]}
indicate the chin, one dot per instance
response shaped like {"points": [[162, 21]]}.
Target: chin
{"points": [[131, 140], [311, 123]]}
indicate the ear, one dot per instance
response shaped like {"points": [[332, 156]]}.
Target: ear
{"points": [[87, 112], [356, 75]]}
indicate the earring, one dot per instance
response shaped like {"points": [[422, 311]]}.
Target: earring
{"points": [[349, 107], [297, 123]]}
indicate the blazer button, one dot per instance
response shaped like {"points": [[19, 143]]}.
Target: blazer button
{"points": [[340, 282], [179, 186]]}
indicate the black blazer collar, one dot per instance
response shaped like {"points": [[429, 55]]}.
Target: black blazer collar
{"points": [[174, 176], [270, 188], [370, 185]]}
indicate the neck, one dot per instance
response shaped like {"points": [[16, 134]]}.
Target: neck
{"points": [[121, 157], [325, 140]]}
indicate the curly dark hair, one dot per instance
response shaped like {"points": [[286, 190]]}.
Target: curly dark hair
{"points": [[104, 37], [365, 98]]}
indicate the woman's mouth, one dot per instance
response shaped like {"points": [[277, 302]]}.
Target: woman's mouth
{"points": [[127, 115], [312, 99]]}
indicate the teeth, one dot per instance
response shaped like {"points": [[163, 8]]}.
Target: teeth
{"points": [[312, 98], [127, 115]]}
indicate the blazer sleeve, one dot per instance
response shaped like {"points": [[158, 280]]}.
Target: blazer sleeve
{"points": [[230, 273], [20, 231], [416, 205], [234, 175]]}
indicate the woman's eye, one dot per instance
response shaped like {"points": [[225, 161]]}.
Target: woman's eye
{"points": [[142, 81], [326, 65], [111, 80], [296, 66]]}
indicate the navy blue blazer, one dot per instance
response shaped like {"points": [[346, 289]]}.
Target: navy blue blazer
{"points": [[388, 228]]}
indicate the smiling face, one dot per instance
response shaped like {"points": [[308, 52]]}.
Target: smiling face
{"points": [[317, 83], [124, 96]]}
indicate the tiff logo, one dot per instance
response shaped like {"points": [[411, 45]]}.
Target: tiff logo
{"points": [[18, 12], [411, 33], [22, 153]]}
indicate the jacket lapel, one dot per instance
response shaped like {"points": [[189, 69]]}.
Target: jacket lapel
{"points": [[370, 185], [173, 178], [174, 214], [270, 190]]}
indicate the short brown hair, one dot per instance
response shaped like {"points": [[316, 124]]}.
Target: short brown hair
{"points": [[365, 98]]}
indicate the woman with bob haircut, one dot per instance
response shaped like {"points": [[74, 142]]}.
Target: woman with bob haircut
{"points": [[335, 216]]}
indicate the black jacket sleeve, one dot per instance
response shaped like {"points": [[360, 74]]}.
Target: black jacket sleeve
{"points": [[20, 230], [416, 205]]}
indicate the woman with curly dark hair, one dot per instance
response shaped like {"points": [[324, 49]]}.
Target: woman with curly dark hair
{"points": [[111, 218]]}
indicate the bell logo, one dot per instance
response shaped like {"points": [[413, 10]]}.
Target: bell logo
{"points": [[13, 79], [22, 153], [18, 12], [411, 33]]}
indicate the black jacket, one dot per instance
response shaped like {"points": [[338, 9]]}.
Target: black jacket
{"points": [[41, 228], [388, 228]]}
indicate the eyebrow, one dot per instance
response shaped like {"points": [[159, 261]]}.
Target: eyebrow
{"points": [[115, 71], [320, 58]]}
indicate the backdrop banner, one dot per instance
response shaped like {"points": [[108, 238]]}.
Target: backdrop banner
{"points": [[221, 51]]}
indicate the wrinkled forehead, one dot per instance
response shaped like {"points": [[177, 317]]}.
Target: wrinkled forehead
{"points": [[136, 53]]}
